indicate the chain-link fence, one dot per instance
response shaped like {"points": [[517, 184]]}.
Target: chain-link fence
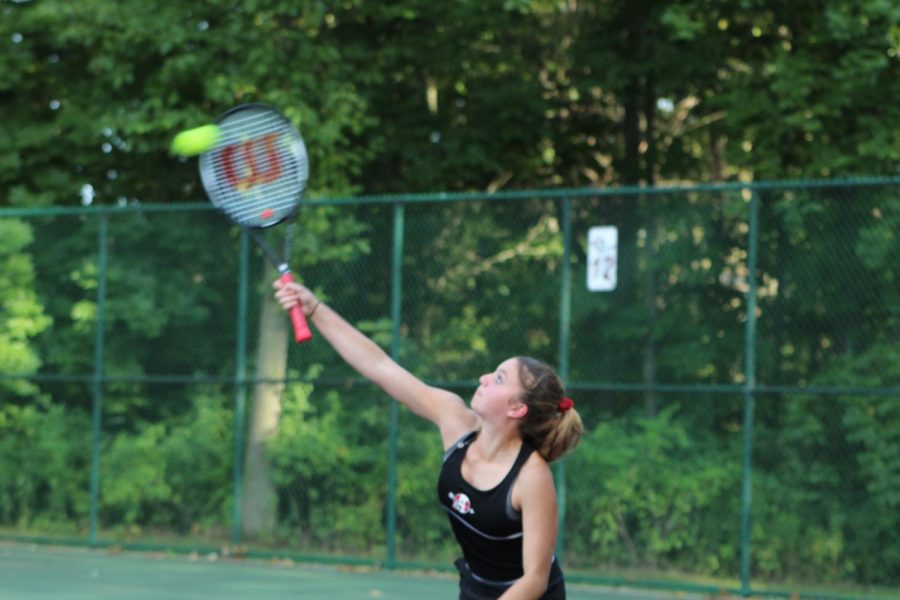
{"points": [[739, 377]]}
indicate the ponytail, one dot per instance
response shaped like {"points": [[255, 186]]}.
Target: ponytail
{"points": [[551, 424]]}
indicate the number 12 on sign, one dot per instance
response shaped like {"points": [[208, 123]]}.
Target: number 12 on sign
{"points": [[602, 256]]}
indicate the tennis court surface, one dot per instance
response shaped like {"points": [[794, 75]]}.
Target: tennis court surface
{"points": [[36, 572]]}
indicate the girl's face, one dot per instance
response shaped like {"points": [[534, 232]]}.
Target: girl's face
{"points": [[498, 390]]}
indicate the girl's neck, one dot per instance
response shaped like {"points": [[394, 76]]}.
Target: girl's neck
{"points": [[497, 445]]}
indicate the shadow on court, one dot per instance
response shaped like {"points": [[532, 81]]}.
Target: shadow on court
{"points": [[30, 572]]}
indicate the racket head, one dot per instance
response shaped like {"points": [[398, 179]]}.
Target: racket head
{"points": [[257, 170]]}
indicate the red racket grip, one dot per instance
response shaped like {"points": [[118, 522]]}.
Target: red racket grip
{"points": [[301, 329]]}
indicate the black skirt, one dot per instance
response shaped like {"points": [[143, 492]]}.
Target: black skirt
{"points": [[472, 587]]}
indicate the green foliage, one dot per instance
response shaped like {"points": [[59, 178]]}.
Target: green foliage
{"points": [[832, 467], [22, 316], [330, 466], [808, 91], [119, 80], [172, 476], [199, 464], [44, 455], [415, 96], [645, 492], [422, 527], [329, 488], [870, 423], [134, 476]]}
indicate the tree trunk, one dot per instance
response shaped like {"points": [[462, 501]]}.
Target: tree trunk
{"points": [[649, 133], [631, 169], [651, 400], [259, 498]]}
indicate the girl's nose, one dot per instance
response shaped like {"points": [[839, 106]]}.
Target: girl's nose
{"points": [[484, 379]]}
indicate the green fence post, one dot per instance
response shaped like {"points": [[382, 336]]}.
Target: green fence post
{"points": [[393, 428], [749, 390], [96, 409], [240, 392], [565, 318]]}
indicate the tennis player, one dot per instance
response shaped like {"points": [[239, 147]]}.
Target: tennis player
{"points": [[495, 482]]}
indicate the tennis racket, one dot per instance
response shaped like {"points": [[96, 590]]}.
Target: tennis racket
{"points": [[255, 171]]}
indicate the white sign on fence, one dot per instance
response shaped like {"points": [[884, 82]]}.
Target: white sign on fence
{"points": [[602, 256]]}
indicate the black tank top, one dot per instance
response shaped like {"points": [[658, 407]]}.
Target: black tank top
{"points": [[485, 524]]}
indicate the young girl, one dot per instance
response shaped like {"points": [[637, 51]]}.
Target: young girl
{"points": [[495, 482]]}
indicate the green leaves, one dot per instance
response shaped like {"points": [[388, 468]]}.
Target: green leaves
{"points": [[43, 456], [22, 316], [417, 96], [648, 490]]}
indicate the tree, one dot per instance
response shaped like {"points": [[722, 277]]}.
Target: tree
{"points": [[416, 96], [22, 316]]}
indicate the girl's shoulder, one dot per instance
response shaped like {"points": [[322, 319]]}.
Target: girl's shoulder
{"points": [[536, 466], [535, 479], [457, 426]]}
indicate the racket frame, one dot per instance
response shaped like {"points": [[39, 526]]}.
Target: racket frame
{"points": [[302, 332]]}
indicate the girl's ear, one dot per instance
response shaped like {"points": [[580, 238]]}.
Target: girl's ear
{"points": [[518, 410]]}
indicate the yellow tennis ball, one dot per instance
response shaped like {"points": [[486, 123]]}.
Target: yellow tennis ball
{"points": [[195, 141]]}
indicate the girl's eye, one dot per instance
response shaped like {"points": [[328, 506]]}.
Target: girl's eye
{"points": [[498, 379]]}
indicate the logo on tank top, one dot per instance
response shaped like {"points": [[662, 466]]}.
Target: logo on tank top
{"points": [[461, 503]]}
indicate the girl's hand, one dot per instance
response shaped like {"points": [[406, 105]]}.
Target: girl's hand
{"points": [[290, 294]]}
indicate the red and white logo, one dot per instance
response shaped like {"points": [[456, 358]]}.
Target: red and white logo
{"points": [[461, 503]]}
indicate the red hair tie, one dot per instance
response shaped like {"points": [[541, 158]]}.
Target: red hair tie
{"points": [[565, 404]]}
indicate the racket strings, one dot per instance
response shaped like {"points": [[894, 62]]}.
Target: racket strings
{"points": [[258, 170]]}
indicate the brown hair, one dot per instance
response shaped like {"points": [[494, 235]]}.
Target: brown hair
{"points": [[552, 431]]}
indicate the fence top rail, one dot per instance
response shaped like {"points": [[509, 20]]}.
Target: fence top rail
{"points": [[436, 197]]}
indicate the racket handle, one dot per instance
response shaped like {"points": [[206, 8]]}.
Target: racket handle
{"points": [[301, 329]]}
